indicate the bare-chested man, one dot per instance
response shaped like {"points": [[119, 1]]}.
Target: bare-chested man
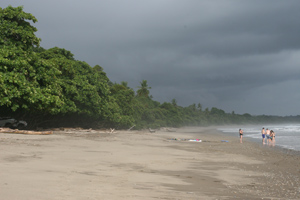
{"points": [[268, 135]]}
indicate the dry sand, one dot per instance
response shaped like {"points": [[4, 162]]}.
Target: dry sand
{"points": [[93, 165]]}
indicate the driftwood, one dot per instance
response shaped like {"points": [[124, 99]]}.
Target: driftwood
{"points": [[151, 130], [17, 131], [131, 128], [170, 130], [112, 130]]}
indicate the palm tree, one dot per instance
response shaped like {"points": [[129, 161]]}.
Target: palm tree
{"points": [[174, 102], [144, 89], [199, 107], [125, 84]]}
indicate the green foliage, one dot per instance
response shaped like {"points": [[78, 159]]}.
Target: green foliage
{"points": [[143, 89], [16, 30], [84, 89], [39, 82], [123, 98], [21, 70], [174, 102]]}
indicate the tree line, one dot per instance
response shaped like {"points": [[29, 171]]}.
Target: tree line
{"points": [[49, 88]]}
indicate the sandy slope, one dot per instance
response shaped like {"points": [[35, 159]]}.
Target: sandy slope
{"points": [[85, 164]]}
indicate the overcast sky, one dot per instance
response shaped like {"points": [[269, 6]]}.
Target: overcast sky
{"points": [[241, 56]]}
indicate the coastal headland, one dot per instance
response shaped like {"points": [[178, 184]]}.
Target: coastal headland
{"points": [[184, 163]]}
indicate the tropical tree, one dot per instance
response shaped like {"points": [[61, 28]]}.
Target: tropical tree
{"points": [[39, 83], [25, 78], [16, 30], [84, 89], [174, 102], [199, 106], [143, 89], [123, 97]]}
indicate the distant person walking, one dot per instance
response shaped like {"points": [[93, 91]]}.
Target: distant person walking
{"points": [[241, 135], [263, 135]]}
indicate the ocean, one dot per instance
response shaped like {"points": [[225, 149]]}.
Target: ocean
{"points": [[287, 135]]}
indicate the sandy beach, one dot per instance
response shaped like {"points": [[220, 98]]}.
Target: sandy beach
{"points": [[75, 164]]}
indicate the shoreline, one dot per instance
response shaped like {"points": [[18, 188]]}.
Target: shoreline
{"points": [[276, 147], [258, 139], [91, 164]]}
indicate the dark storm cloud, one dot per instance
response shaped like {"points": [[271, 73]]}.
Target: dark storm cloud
{"points": [[240, 56]]}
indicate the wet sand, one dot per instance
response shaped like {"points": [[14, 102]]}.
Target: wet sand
{"points": [[88, 164]]}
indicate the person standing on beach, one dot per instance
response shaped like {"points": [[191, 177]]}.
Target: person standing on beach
{"points": [[268, 135], [241, 135], [272, 138], [263, 135]]}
